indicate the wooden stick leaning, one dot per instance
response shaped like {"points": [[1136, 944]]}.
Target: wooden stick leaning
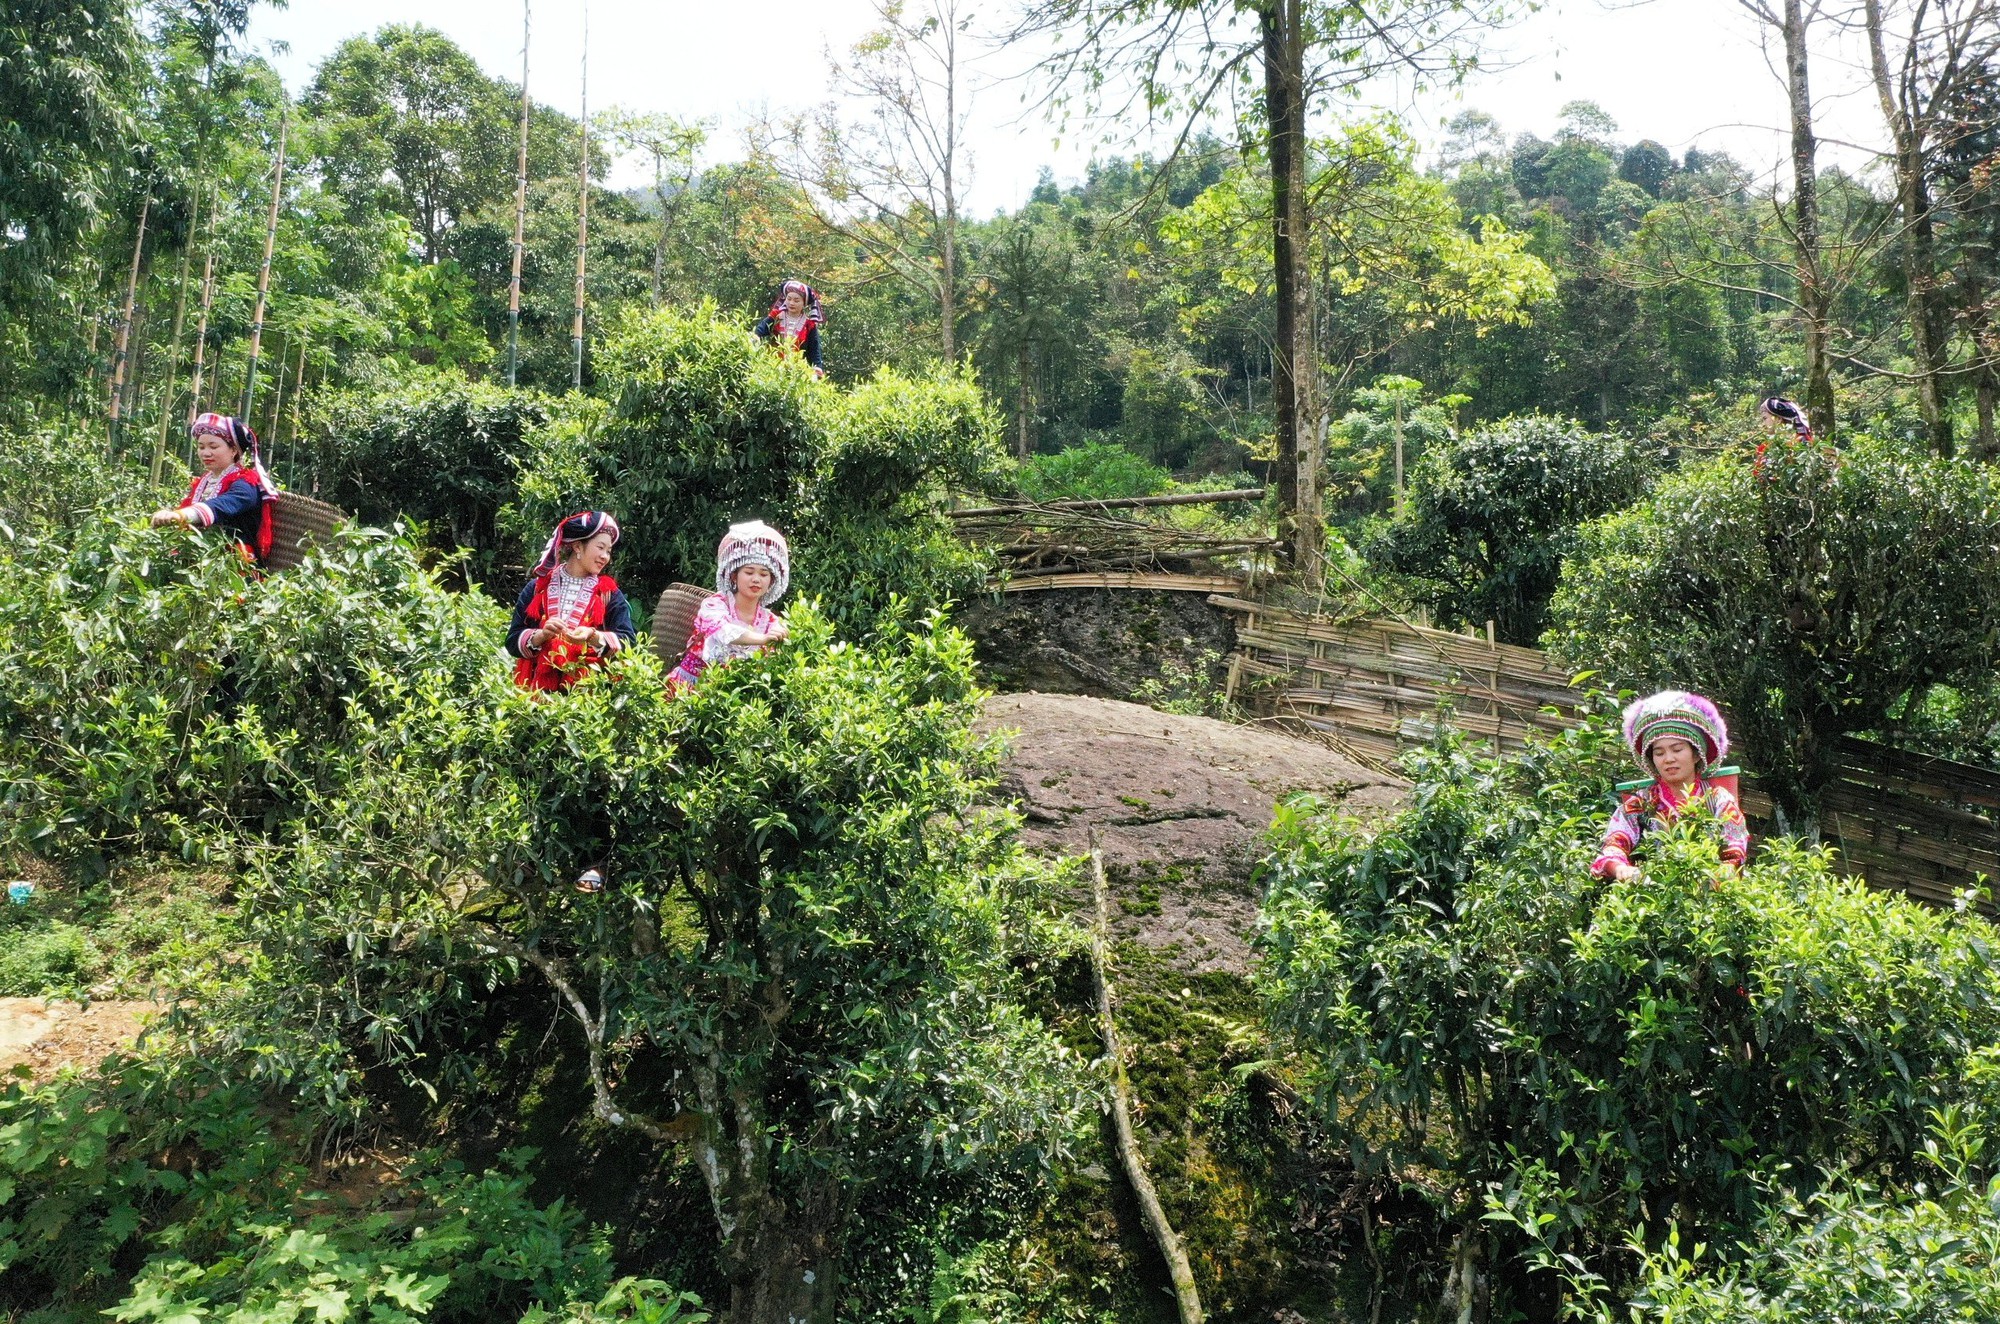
{"points": [[1186, 1297]]}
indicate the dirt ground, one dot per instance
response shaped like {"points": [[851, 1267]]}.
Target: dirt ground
{"points": [[1179, 806], [48, 1034]]}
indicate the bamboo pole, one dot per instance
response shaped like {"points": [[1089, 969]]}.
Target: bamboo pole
{"points": [[115, 403], [207, 304], [270, 433], [1187, 1298], [520, 216], [582, 212], [264, 271], [298, 394], [159, 462]]}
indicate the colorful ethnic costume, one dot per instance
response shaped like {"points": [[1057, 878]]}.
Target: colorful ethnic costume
{"points": [[554, 596], [796, 331], [717, 627], [1780, 410], [1687, 717], [237, 501]]}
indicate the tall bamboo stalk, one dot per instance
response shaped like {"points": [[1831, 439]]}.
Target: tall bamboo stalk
{"points": [[582, 213], [159, 462], [264, 272], [270, 433], [298, 395], [115, 404], [207, 303], [520, 216]]}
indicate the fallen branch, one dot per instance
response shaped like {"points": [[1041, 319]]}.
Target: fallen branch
{"points": [[1186, 1296]]}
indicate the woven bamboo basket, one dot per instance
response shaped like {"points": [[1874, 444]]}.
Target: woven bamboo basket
{"points": [[296, 523], [673, 620]]}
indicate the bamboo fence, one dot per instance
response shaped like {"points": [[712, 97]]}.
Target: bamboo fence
{"points": [[1925, 826]]}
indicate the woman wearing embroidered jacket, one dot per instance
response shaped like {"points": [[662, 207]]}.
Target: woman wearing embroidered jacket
{"points": [[794, 322], [232, 493], [753, 568], [1676, 738], [570, 615]]}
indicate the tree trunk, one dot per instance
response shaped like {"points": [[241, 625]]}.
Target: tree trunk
{"points": [[948, 239], [1023, 402], [1814, 299], [780, 1256], [1929, 321], [1986, 389], [1292, 356]]}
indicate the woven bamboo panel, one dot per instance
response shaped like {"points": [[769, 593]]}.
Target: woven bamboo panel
{"points": [[296, 523], [1903, 821], [1120, 579], [673, 620]]}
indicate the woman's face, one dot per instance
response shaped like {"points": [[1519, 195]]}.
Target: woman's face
{"points": [[590, 556], [1673, 760], [214, 453], [753, 581], [795, 302]]}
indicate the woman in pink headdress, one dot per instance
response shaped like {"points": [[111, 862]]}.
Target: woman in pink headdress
{"points": [[1678, 739]]}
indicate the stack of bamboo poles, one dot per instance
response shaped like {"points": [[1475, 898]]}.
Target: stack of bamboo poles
{"points": [[1924, 826], [1071, 538]]}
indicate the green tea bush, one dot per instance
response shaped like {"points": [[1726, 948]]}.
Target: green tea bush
{"points": [[811, 947], [54, 478], [1570, 1059], [54, 960], [1811, 597], [158, 699], [1853, 1251], [436, 448], [706, 428], [1490, 515]]}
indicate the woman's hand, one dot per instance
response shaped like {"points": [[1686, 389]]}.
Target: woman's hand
{"points": [[779, 630], [1626, 873], [170, 515]]}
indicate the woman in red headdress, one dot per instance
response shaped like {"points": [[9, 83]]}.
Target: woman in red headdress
{"points": [[233, 492], [794, 321], [570, 615]]}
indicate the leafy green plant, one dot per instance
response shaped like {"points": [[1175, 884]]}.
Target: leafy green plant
{"points": [[1811, 596], [1855, 1250], [1491, 515], [1096, 470], [811, 947], [1577, 1058], [434, 448], [53, 960], [705, 429], [158, 700]]}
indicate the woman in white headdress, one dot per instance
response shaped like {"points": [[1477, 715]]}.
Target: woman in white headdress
{"points": [[753, 568]]}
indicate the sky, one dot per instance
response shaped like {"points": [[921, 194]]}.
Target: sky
{"points": [[1687, 73]]}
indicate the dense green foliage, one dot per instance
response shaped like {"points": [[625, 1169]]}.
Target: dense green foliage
{"points": [[1579, 1058], [1491, 515], [158, 701], [176, 1170], [706, 428], [1811, 595], [435, 448], [1096, 469]]}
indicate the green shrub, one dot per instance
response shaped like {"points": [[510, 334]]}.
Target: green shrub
{"points": [[706, 429], [1851, 1252], [54, 960], [436, 448], [156, 699], [54, 478], [1489, 517], [1811, 599], [1580, 1058], [811, 946], [1094, 471], [165, 1187]]}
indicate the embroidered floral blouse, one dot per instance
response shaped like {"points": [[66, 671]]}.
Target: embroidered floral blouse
{"points": [[1656, 807], [717, 628]]}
